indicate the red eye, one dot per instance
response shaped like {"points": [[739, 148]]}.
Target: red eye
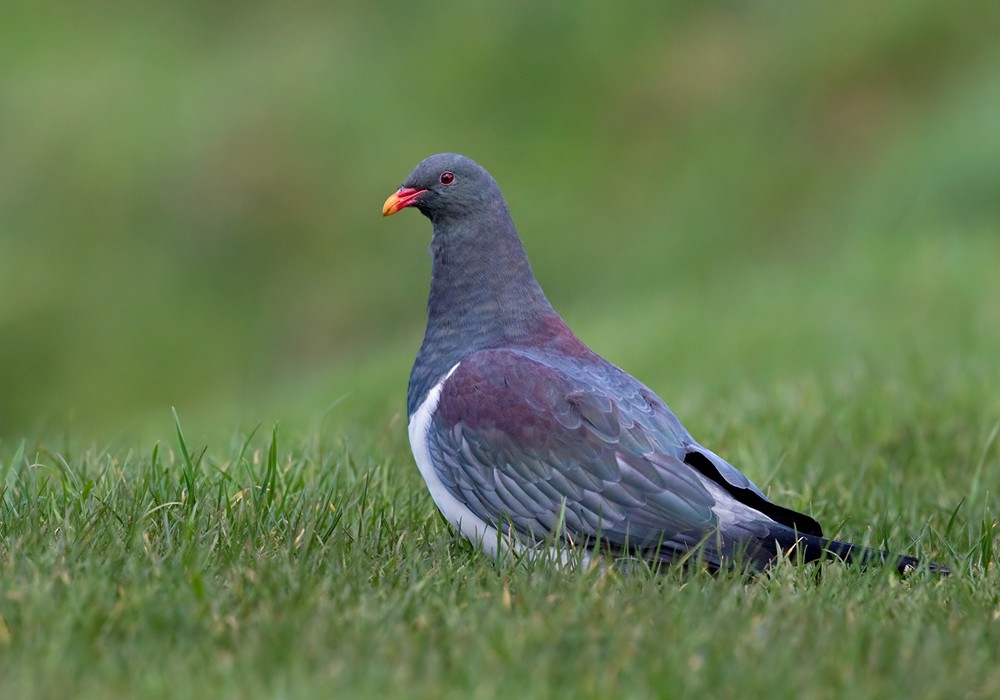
{"points": [[447, 177]]}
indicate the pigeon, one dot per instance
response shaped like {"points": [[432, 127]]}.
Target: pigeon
{"points": [[528, 439]]}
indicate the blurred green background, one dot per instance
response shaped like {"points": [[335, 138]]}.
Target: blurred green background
{"points": [[715, 197]]}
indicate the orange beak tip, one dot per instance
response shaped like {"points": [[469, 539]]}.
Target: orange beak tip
{"points": [[400, 199]]}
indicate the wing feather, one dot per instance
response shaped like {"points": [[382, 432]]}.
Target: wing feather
{"points": [[520, 441], [524, 440]]}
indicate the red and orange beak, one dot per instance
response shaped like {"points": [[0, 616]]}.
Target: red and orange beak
{"points": [[400, 199]]}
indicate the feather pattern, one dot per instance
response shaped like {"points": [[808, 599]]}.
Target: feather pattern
{"points": [[520, 438]]}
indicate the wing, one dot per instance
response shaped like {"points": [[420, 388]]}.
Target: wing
{"points": [[745, 491], [522, 441]]}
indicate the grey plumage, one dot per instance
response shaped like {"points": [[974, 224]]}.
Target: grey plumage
{"points": [[519, 428]]}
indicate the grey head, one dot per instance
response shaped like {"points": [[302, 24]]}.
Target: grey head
{"points": [[448, 188]]}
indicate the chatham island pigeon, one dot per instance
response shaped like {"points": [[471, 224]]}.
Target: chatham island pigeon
{"points": [[527, 437]]}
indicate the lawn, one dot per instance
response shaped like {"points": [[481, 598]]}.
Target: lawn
{"points": [[316, 565], [783, 220]]}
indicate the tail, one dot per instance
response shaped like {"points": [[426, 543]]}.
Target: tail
{"points": [[813, 548]]}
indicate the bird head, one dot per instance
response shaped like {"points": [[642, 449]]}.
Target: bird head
{"points": [[444, 186]]}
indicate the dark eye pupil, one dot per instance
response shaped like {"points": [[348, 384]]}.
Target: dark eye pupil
{"points": [[447, 177]]}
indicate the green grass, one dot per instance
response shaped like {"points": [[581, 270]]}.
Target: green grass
{"points": [[317, 565]]}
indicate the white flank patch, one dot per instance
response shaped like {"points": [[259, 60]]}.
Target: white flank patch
{"points": [[472, 527]]}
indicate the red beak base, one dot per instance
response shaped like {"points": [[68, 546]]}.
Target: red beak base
{"points": [[400, 199]]}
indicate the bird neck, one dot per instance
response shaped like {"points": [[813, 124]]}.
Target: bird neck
{"points": [[483, 285], [483, 295]]}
